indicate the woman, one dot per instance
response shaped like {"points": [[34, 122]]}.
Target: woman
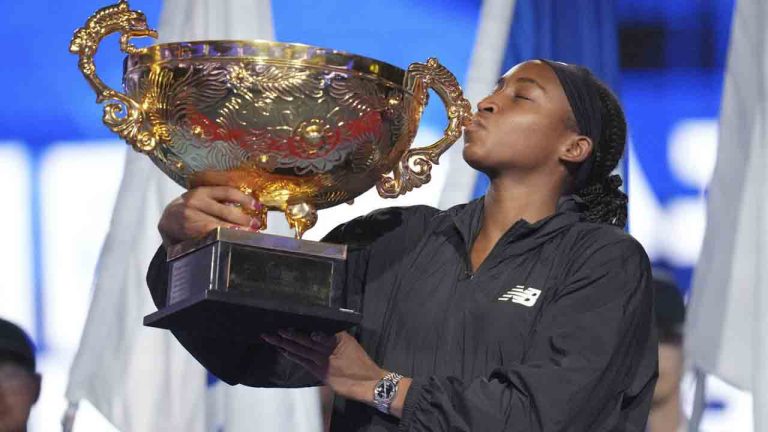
{"points": [[526, 310]]}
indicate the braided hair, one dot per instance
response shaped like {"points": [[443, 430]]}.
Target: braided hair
{"points": [[598, 115]]}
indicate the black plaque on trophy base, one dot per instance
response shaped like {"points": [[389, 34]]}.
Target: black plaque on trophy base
{"points": [[238, 284]]}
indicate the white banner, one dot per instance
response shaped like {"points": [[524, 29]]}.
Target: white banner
{"points": [[727, 328]]}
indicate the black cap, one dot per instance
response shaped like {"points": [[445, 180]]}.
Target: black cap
{"points": [[16, 346]]}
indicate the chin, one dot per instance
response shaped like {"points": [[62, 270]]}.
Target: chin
{"points": [[474, 157]]}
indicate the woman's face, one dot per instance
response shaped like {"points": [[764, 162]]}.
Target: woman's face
{"points": [[523, 125]]}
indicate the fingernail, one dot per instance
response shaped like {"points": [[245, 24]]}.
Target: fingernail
{"points": [[255, 223]]}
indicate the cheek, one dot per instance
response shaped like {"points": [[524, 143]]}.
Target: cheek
{"points": [[14, 410], [17, 399], [529, 141], [521, 140]]}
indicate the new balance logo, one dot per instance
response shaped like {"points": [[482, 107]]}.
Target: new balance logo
{"points": [[521, 295]]}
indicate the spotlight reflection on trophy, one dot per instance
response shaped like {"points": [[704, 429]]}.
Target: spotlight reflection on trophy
{"points": [[300, 128]]}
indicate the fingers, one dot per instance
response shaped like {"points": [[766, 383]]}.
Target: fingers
{"points": [[306, 363], [226, 213], [329, 341], [296, 348], [204, 208], [316, 341], [316, 347], [220, 194], [182, 223], [227, 194], [201, 222], [216, 201]]}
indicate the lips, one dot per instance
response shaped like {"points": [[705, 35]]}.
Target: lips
{"points": [[474, 124], [470, 130]]}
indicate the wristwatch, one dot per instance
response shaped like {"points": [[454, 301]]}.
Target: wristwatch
{"points": [[385, 391]]}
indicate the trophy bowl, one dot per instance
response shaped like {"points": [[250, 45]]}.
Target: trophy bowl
{"points": [[299, 128]]}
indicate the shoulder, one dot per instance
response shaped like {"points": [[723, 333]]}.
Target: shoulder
{"points": [[602, 243], [606, 264], [382, 223]]}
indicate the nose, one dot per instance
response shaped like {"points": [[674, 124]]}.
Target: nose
{"points": [[488, 106]]}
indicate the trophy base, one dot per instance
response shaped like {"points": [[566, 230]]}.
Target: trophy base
{"points": [[238, 285], [241, 318]]}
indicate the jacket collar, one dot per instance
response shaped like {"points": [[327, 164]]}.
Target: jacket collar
{"points": [[522, 235]]}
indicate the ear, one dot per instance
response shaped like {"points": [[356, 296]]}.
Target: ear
{"points": [[577, 149]]}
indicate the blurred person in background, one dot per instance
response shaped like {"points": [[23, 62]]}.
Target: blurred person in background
{"points": [[19, 383], [666, 413]]}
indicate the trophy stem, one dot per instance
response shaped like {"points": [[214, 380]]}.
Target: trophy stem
{"points": [[301, 217]]}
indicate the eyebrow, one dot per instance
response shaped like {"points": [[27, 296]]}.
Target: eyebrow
{"points": [[524, 80], [531, 81]]}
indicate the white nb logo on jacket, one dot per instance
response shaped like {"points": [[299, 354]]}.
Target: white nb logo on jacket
{"points": [[521, 295]]}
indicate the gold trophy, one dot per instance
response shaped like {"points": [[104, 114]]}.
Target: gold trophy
{"points": [[300, 128]]}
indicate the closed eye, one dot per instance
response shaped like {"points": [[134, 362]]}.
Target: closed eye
{"points": [[523, 97]]}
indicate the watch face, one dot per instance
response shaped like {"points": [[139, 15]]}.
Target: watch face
{"points": [[385, 390]]}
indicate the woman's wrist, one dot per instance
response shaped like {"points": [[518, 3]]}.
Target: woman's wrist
{"points": [[364, 392], [398, 403]]}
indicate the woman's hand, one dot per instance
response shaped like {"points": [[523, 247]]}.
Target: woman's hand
{"points": [[338, 360], [204, 208]]}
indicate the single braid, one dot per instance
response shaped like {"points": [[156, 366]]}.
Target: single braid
{"points": [[605, 202]]}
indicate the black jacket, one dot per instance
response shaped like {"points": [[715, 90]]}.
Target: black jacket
{"points": [[554, 332]]}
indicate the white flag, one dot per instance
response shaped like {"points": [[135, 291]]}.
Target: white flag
{"points": [[141, 379], [727, 328]]}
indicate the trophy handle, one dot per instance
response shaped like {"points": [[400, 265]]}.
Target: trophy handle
{"points": [[415, 165], [122, 115]]}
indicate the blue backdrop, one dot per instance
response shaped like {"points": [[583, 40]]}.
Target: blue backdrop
{"points": [[673, 70]]}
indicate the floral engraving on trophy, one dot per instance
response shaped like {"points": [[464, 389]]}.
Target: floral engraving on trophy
{"points": [[258, 86], [358, 94]]}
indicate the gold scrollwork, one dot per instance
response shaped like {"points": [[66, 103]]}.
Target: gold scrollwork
{"points": [[123, 115], [415, 166]]}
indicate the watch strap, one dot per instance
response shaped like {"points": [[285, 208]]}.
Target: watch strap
{"points": [[383, 404]]}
